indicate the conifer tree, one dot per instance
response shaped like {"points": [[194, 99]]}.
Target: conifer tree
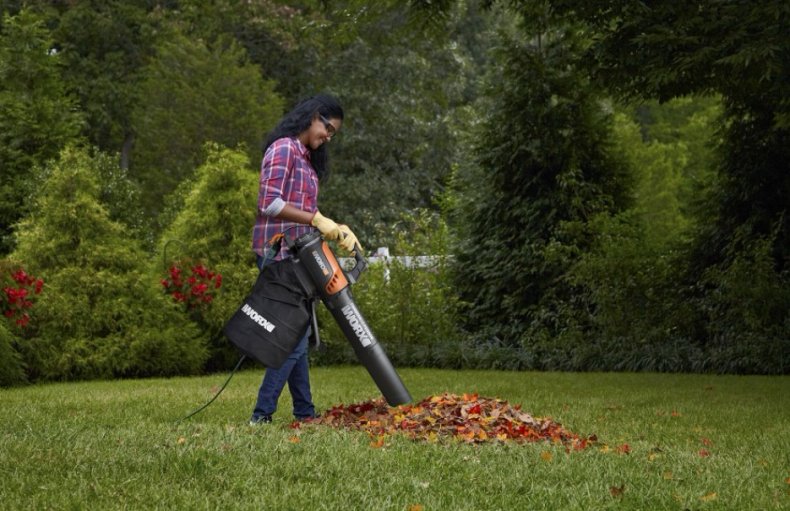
{"points": [[542, 168], [37, 116], [196, 94]]}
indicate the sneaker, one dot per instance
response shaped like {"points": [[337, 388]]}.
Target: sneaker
{"points": [[263, 419]]}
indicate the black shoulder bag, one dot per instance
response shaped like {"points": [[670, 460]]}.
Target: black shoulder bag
{"points": [[273, 317]]}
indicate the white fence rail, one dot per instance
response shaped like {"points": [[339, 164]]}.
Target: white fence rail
{"points": [[382, 255]]}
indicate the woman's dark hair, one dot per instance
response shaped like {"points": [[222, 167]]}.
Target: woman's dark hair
{"points": [[300, 118]]}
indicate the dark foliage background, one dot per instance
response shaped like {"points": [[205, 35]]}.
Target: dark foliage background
{"points": [[604, 185]]}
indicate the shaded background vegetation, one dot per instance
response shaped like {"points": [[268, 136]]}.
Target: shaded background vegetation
{"points": [[606, 183]]}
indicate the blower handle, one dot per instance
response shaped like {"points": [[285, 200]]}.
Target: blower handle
{"points": [[360, 265]]}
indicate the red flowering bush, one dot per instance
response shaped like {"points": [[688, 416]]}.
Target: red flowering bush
{"points": [[192, 285], [19, 294]]}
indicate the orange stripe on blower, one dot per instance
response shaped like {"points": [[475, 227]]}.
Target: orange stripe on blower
{"points": [[338, 280]]}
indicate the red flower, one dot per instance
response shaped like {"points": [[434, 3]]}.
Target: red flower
{"points": [[199, 289], [193, 290], [20, 276], [23, 321], [19, 296]]}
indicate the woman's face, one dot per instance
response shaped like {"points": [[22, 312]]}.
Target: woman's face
{"points": [[321, 131]]}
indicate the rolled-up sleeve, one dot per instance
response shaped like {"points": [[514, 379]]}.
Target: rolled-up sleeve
{"points": [[276, 165]]}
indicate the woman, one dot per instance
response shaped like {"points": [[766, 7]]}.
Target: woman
{"points": [[294, 161]]}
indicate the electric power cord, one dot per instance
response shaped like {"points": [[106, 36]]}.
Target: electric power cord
{"points": [[195, 412]]}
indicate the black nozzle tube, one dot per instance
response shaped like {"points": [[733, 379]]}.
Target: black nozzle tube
{"points": [[367, 348]]}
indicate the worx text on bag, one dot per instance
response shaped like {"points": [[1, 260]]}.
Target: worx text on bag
{"points": [[273, 317]]}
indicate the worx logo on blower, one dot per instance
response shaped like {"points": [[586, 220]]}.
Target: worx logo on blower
{"points": [[357, 324]]}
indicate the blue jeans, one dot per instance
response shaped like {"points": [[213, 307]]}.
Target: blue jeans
{"points": [[295, 372]]}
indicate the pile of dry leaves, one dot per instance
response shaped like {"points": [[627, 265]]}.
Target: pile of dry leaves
{"points": [[468, 418]]}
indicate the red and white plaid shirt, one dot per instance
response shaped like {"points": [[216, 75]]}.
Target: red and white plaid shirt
{"points": [[287, 177]]}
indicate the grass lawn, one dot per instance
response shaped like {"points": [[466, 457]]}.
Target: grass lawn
{"points": [[693, 442]]}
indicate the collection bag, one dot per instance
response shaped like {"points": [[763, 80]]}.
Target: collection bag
{"points": [[273, 317]]}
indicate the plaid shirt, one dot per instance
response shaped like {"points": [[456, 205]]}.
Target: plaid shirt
{"points": [[287, 177]]}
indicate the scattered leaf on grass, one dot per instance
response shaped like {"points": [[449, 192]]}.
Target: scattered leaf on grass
{"points": [[617, 491], [468, 418], [294, 439], [181, 440], [623, 449], [546, 456], [704, 453], [787, 480], [415, 507], [709, 496], [668, 475], [706, 442]]}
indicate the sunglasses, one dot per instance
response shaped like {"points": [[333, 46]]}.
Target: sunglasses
{"points": [[330, 129]]}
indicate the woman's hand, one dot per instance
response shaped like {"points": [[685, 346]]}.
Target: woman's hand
{"points": [[348, 240], [329, 229]]}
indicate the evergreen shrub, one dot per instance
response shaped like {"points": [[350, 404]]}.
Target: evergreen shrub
{"points": [[101, 315], [214, 228], [746, 311]]}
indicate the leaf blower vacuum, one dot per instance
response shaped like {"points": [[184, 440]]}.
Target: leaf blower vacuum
{"points": [[277, 313]]}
